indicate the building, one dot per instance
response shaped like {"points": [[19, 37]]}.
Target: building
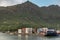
{"points": [[25, 31]]}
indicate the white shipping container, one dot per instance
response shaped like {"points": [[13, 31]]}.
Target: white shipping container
{"points": [[30, 30], [19, 31], [27, 30]]}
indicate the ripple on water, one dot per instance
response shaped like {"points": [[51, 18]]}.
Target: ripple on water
{"points": [[4, 36]]}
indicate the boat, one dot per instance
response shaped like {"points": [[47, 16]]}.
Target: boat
{"points": [[51, 32]]}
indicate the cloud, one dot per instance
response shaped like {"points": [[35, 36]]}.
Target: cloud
{"points": [[11, 2], [58, 2]]}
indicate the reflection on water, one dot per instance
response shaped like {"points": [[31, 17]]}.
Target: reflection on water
{"points": [[4, 36], [34, 37], [27, 37]]}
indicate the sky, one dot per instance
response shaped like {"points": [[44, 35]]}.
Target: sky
{"points": [[11, 2], [46, 2], [37, 2]]}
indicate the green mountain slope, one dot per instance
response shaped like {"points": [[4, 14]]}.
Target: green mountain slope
{"points": [[31, 15]]}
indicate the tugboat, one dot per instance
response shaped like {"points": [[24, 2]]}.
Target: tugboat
{"points": [[51, 32]]}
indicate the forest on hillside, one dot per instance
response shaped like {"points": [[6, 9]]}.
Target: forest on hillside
{"points": [[29, 15]]}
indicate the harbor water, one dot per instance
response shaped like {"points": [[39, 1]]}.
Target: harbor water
{"points": [[4, 36]]}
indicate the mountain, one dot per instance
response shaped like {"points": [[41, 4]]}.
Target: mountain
{"points": [[29, 13], [51, 13]]}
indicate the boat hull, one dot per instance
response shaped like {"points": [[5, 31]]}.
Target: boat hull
{"points": [[51, 33]]}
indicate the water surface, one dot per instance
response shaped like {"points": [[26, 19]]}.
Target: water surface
{"points": [[4, 36]]}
